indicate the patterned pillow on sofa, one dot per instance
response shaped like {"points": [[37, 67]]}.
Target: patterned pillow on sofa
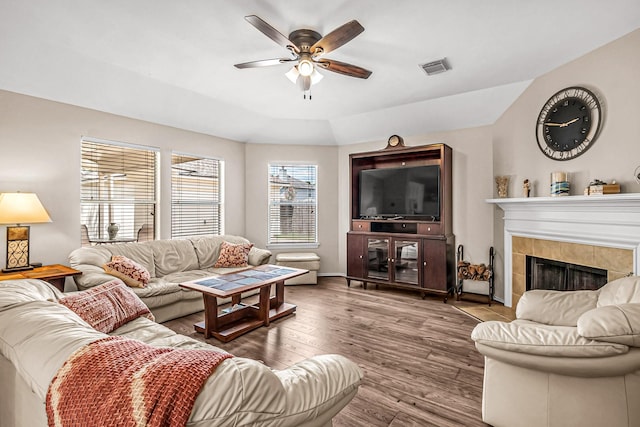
{"points": [[108, 306], [132, 273], [233, 255]]}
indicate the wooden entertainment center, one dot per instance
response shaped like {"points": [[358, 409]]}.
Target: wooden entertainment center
{"points": [[413, 251]]}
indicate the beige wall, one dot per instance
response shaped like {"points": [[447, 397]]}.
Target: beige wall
{"points": [[40, 152], [40, 143], [611, 72], [258, 157]]}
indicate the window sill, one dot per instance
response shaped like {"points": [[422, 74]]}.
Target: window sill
{"points": [[293, 245]]}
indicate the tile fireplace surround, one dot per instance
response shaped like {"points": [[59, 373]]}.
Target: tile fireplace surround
{"points": [[597, 231]]}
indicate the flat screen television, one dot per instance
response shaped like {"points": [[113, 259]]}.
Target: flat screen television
{"points": [[410, 192]]}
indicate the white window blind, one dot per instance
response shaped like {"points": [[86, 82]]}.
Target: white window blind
{"points": [[118, 188], [196, 195], [292, 204]]}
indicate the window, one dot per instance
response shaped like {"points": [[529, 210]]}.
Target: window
{"points": [[117, 192], [196, 196], [292, 204]]}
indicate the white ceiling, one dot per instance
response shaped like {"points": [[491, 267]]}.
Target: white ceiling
{"points": [[171, 62]]}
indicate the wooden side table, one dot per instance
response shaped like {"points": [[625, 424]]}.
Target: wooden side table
{"points": [[54, 274]]}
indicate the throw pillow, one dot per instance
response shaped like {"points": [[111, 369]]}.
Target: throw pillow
{"points": [[108, 306], [233, 255], [132, 273]]}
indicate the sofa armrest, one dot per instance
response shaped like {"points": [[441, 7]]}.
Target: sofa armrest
{"points": [[254, 394], [544, 340], [90, 260], [259, 256], [612, 323], [318, 384], [555, 307]]}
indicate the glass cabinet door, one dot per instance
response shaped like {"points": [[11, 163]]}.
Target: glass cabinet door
{"points": [[378, 258], [405, 262]]}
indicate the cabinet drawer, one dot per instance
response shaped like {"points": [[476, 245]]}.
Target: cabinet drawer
{"points": [[360, 225], [430, 228]]}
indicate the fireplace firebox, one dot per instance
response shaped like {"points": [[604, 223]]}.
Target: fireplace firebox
{"points": [[561, 276]]}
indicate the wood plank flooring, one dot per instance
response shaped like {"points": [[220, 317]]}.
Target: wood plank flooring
{"points": [[420, 366]]}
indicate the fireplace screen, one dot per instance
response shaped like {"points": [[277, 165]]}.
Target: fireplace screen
{"points": [[561, 276]]}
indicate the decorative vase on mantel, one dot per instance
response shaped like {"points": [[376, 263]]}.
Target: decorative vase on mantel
{"points": [[112, 229]]}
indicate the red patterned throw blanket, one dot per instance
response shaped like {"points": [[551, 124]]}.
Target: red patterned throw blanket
{"points": [[118, 381]]}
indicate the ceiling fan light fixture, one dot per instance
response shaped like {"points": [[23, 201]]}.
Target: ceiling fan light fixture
{"points": [[293, 74], [305, 67], [316, 77], [306, 48]]}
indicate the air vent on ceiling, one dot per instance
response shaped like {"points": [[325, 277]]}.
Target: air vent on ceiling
{"points": [[435, 67]]}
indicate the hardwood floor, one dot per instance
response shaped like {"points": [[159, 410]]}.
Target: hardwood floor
{"points": [[420, 366]]}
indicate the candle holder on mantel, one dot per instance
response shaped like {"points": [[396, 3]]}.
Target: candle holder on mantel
{"points": [[559, 184], [502, 183]]}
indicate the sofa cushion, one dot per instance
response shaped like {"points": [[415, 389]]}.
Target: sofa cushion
{"points": [[620, 291], [171, 256], [555, 307], [106, 307], [157, 286], [19, 291], [158, 335], [233, 255], [142, 253], [131, 273], [544, 340], [207, 248], [612, 323]]}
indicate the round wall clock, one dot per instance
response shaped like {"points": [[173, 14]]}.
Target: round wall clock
{"points": [[569, 123]]}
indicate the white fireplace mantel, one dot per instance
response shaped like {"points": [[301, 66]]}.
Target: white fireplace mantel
{"points": [[610, 220]]}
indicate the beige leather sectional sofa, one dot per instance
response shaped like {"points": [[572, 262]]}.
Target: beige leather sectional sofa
{"points": [[37, 335], [570, 359], [169, 263]]}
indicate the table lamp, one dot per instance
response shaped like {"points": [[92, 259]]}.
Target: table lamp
{"points": [[20, 208]]}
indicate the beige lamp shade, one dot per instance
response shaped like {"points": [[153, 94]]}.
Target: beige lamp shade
{"points": [[22, 208]]}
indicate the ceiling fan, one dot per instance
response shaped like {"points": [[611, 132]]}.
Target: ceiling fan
{"points": [[307, 49]]}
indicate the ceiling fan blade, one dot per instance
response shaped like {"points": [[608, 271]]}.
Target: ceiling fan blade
{"points": [[337, 38], [343, 68], [271, 32], [264, 63]]}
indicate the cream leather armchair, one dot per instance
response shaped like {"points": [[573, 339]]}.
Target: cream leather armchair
{"points": [[569, 359]]}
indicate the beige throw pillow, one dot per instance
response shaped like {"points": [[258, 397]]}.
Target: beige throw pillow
{"points": [[132, 273], [233, 255]]}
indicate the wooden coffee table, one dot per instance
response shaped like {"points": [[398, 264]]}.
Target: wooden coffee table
{"points": [[241, 318]]}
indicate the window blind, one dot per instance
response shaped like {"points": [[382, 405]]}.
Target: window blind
{"points": [[292, 204], [196, 196], [118, 189]]}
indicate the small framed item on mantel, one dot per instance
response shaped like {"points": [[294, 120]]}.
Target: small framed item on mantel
{"points": [[599, 188], [395, 141]]}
